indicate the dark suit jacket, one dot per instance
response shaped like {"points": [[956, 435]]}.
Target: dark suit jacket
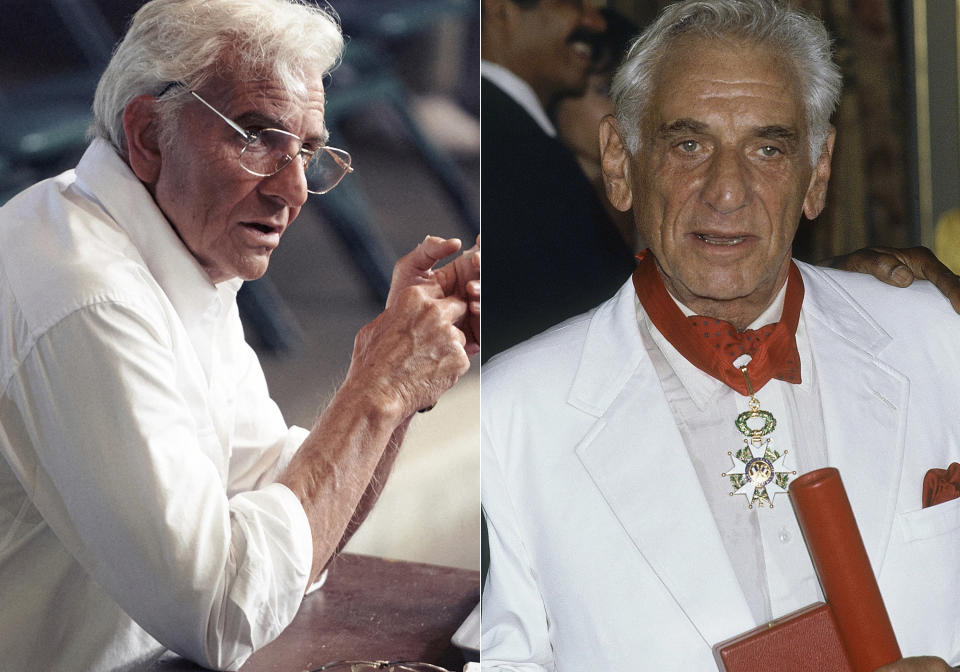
{"points": [[549, 249]]}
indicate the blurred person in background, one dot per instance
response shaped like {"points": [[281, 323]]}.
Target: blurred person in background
{"points": [[152, 497], [554, 249], [577, 118]]}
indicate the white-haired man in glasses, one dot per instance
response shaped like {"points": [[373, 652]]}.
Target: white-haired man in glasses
{"points": [[151, 496]]}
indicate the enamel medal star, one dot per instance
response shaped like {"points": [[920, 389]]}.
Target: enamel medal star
{"points": [[758, 471]]}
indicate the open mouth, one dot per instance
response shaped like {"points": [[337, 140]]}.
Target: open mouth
{"points": [[582, 49], [262, 228], [262, 235], [584, 42]]}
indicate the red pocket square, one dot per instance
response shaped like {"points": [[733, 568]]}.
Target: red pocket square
{"points": [[941, 485]]}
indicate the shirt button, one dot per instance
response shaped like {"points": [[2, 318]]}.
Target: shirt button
{"points": [[784, 536]]}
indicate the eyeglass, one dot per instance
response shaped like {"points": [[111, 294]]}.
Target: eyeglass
{"points": [[268, 151], [381, 665]]}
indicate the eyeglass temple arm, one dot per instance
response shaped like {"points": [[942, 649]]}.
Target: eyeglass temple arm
{"points": [[340, 162], [246, 136], [230, 122]]}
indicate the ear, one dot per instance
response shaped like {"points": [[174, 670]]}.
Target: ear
{"points": [[816, 197], [140, 125], [615, 165]]}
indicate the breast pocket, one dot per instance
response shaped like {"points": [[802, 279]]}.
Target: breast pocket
{"points": [[934, 521], [920, 579]]}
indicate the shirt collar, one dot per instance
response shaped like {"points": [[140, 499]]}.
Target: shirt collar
{"points": [[701, 386], [770, 315], [106, 178], [520, 92]]}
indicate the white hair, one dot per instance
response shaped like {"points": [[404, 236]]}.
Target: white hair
{"points": [[187, 42], [800, 37]]}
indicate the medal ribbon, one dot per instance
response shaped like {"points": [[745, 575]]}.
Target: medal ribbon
{"points": [[712, 345]]}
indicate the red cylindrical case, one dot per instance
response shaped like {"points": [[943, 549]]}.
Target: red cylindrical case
{"points": [[846, 577]]}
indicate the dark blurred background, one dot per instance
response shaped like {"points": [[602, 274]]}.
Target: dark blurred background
{"points": [[405, 103]]}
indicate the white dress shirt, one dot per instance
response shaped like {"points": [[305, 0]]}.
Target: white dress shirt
{"points": [[765, 545], [521, 93], [138, 440]]}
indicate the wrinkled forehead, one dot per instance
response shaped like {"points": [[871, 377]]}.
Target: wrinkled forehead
{"points": [[706, 66], [297, 107]]}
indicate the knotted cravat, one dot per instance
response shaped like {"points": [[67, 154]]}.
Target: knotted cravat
{"points": [[712, 345]]}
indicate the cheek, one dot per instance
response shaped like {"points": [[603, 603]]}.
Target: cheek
{"points": [[669, 200]]}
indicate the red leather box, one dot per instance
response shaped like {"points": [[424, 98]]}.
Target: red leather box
{"points": [[804, 640]]}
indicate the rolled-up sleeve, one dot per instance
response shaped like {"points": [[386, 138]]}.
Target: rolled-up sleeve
{"points": [[120, 453]]}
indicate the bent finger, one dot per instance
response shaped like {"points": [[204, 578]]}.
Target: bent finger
{"points": [[431, 250]]}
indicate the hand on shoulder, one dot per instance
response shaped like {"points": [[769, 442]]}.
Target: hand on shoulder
{"points": [[900, 267]]}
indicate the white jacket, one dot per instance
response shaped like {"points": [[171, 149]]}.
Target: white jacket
{"points": [[597, 563]]}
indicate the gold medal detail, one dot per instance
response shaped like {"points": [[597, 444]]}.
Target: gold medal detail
{"points": [[758, 471]]}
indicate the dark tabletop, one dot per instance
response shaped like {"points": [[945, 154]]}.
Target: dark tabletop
{"points": [[371, 609]]}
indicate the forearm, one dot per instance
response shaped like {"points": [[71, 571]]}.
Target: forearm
{"points": [[349, 445], [377, 482], [402, 362]]}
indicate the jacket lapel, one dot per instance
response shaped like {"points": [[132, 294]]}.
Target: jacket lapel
{"points": [[635, 456], [864, 406]]}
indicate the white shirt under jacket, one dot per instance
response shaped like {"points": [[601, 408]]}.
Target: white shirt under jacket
{"points": [[138, 441], [614, 543]]}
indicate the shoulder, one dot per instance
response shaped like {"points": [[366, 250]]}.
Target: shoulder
{"points": [[542, 371], [546, 359], [913, 328], [896, 309], [59, 252]]}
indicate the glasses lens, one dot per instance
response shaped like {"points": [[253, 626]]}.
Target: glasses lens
{"points": [[269, 151], [326, 168]]}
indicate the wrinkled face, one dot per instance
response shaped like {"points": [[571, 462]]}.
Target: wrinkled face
{"points": [[229, 219], [554, 59], [723, 174]]}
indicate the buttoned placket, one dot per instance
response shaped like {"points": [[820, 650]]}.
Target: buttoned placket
{"points": [[777, 576]]}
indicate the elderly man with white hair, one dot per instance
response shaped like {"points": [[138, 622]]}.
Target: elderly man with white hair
{"points": [[636, 458], [151, 495]]}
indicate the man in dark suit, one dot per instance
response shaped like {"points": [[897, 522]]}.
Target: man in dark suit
{"points": [[552, 246]]}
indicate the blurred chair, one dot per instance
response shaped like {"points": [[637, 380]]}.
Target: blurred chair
{"points": [[45, 104]]}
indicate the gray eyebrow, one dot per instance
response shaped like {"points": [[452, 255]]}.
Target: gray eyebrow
{"points": [[256, 118], [684, 125]]}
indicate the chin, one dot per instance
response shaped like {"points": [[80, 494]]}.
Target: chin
{"points": [[249, 276], [721, 286]]}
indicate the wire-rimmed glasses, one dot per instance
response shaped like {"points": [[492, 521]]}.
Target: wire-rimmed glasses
{"points": [[268, 151], [379, 666]]}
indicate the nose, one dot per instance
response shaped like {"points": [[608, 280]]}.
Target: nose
{"points": [[289, 185], [726, 186]]}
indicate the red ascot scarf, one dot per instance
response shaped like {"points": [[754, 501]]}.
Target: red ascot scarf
{"points": [[711, 345]]}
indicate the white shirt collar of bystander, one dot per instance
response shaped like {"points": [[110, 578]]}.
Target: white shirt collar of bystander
{"points": [[520, 92]]}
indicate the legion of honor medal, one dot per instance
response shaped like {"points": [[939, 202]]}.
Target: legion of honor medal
{"points": [[758, 471]]}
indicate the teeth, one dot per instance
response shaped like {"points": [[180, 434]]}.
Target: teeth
{"points": [[582, 49], [717, 240]]}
